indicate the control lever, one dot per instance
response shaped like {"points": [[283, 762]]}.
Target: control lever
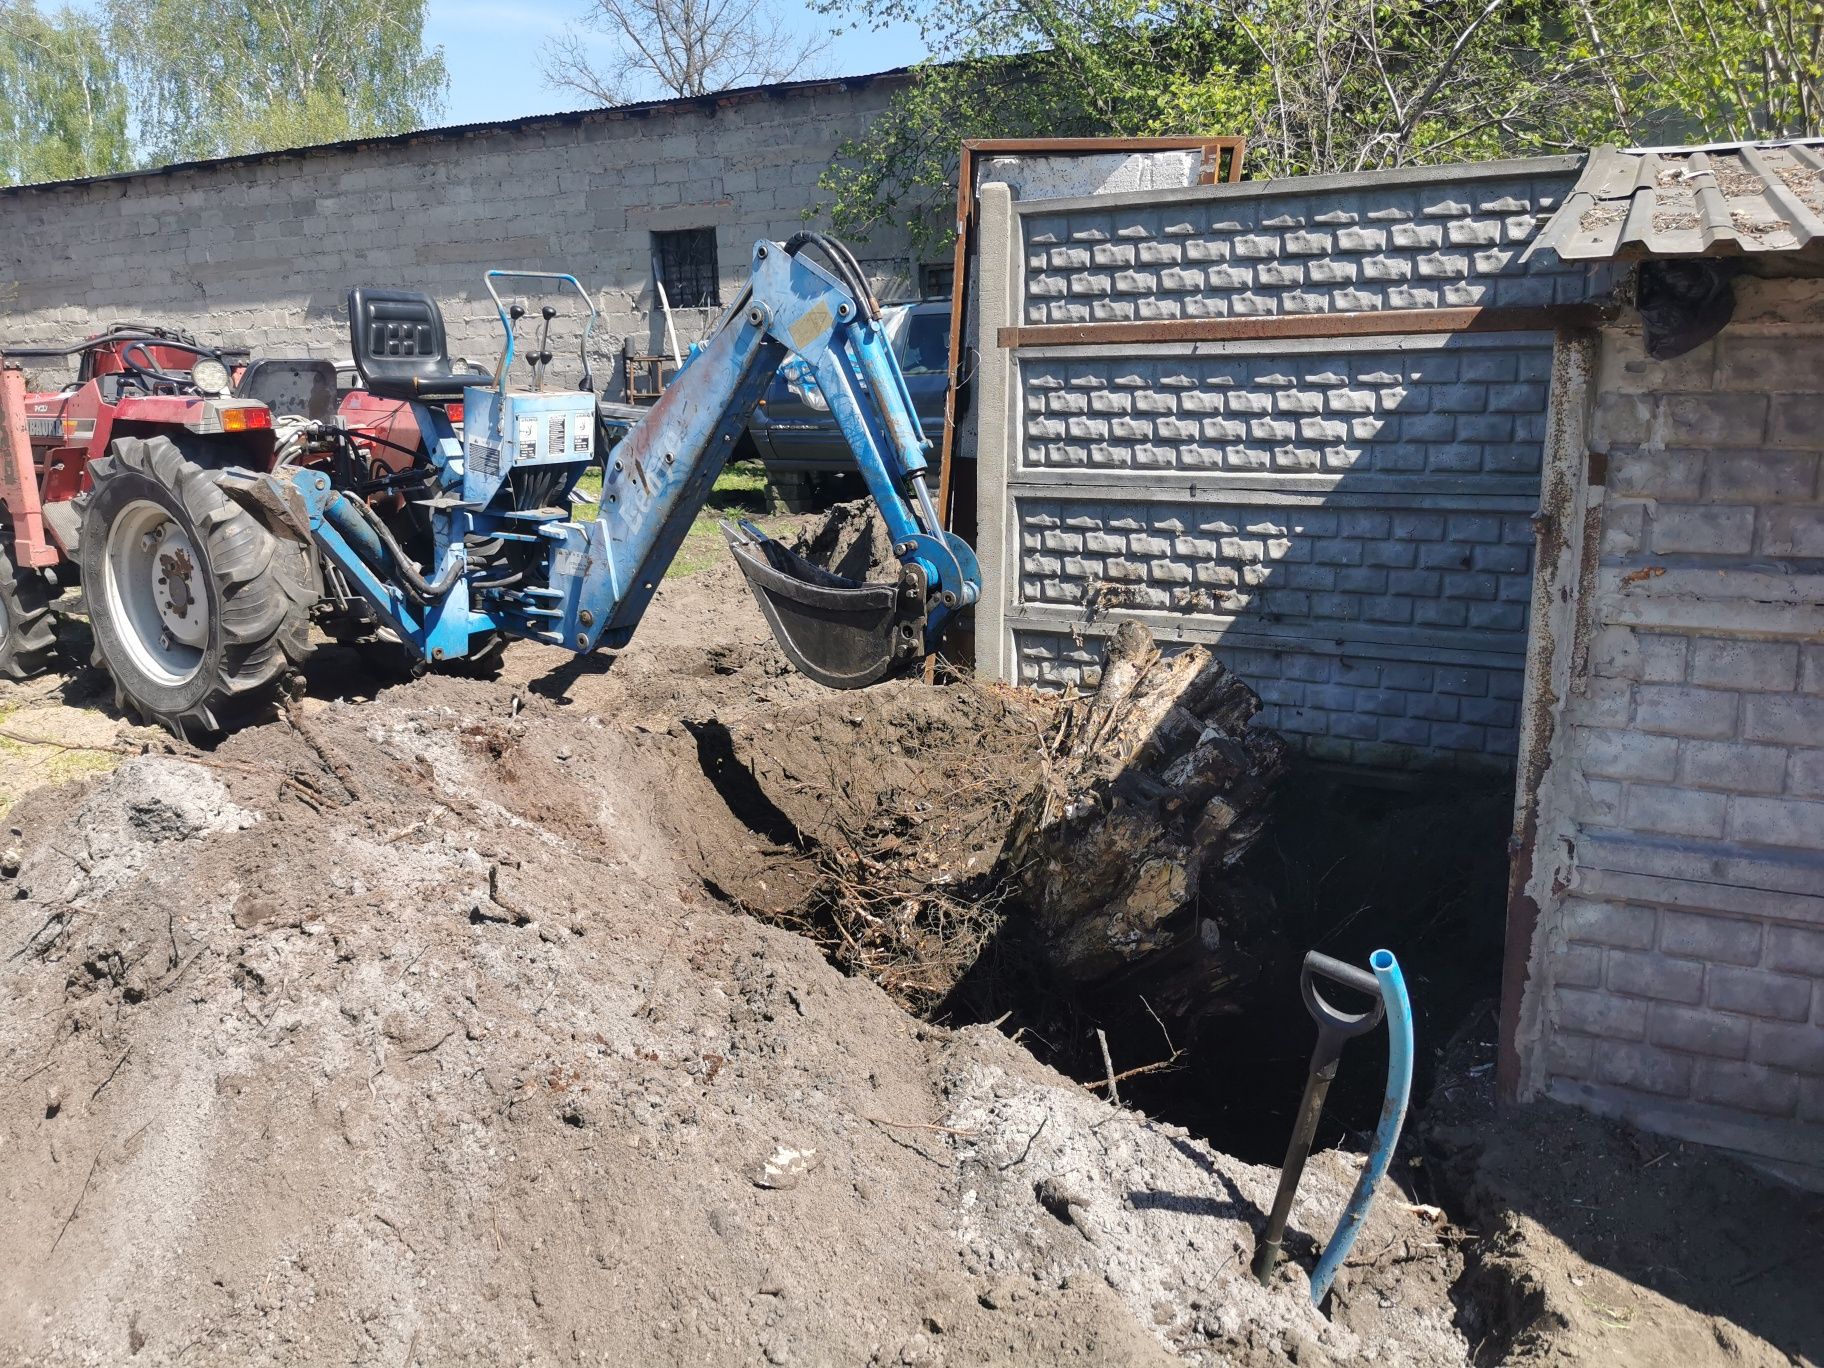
{"points": [[515, 312], [541, 359]]}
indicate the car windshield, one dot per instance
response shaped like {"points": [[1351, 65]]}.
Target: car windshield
{"points": [[924, 343]]}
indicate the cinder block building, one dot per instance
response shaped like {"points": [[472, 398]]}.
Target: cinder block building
{"points": [[1666, 930], [260, 251]]}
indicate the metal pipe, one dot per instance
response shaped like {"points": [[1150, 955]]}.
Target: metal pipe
{"points": [[924, 502]]}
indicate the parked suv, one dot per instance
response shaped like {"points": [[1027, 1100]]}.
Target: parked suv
{"points": [[792, 428]]}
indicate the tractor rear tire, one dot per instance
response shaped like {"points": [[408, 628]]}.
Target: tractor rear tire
{"points": [[28, 635], [200, 613]]}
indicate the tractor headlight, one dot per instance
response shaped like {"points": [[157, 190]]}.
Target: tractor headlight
{"points": [[211, 376]]}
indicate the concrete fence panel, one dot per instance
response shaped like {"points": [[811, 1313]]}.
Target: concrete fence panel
{"points": [[1345, 518]]}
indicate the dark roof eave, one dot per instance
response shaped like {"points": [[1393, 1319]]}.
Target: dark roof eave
{"points": [[706, 104]]}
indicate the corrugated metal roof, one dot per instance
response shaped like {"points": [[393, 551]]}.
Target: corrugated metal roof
{"points": [[1693, 201]]}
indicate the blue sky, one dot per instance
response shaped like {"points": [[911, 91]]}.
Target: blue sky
{"points": [[492, 50]]}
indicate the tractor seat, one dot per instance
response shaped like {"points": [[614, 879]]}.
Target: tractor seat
{"points": [[400, 350]]}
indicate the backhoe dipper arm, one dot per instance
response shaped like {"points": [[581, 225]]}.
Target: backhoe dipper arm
{"points": [[656, 479]]}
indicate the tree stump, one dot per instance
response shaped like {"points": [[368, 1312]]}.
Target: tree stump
{"points": [[1152, 787]]}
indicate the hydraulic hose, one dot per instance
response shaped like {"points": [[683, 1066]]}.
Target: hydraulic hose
{"points": [[348, 515], [847, 268], [1387, 1135]]}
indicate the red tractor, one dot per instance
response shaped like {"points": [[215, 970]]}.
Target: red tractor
{"points": [[116, 480]]}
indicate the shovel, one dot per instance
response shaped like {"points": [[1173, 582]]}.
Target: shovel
{"points": [[1334, 1027]]}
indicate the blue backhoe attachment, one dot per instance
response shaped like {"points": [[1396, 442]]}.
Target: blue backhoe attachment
{"points": [[508, 556]]}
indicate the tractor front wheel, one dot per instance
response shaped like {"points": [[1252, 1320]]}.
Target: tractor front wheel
{"points": [[28, 638], [198, 611]]}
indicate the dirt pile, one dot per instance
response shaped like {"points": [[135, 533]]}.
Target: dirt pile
{"points": [[450, 1059], [425, 1028]]}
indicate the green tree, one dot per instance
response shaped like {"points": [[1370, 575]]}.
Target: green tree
{"points": [[1326, 85], [220, 77], [1711, 70], [63, 108], [1043, 68]]}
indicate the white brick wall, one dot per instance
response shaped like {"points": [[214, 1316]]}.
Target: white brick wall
{"points": [[261, 253], [1681, 980]]}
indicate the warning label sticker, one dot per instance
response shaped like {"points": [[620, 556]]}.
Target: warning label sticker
{"points": [[528, 436], [557, 435], [582, 434], [570, 564], [485, 457], [814, 324]]}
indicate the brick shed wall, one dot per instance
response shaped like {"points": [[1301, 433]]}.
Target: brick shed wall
{"points": [[1679, 979], [262, 253], [1345, 519]]}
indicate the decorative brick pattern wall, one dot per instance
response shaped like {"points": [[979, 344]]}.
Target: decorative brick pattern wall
{"points": [[1347, 520], [1328, 566], [262, 253], [1389, 245], [1683, 975], [1362, 711], [1392, 412]]}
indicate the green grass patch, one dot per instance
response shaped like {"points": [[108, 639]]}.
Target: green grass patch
{"points": [[740, 492], [24, 767]]}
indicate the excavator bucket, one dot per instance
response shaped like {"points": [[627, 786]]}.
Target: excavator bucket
{"points": [[841, 632]]}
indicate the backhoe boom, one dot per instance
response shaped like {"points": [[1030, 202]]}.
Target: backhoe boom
{"points": [[508, 558]]}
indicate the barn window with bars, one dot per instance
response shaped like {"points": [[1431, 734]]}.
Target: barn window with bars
{"points": [[684, 262]]}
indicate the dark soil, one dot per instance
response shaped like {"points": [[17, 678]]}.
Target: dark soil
{"points": [[447, 1026]]}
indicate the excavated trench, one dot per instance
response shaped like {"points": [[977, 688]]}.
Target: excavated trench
{"points": [[1348, 864], [894, 798]]}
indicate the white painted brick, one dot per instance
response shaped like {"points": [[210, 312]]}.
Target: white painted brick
{"points": [[1722, 662], [1805, 773], [1798, 1048], [1692, 420], [1703, 529], [1627, 754], [1692, 935], [1685, 711], [1796, 823], [1753, 992], [1692, 1030], [1732, 766], [1644, 1068], [1675, 811], [1795, 950], [1777, 718], [1749, 1087], [1601, 1014]]}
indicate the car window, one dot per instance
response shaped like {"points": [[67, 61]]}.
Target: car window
{"points": [[924, 344]]}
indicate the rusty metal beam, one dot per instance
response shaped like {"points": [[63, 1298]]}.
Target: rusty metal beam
{"points": [[1274, 327], [1214, 168], [1567, 532]]}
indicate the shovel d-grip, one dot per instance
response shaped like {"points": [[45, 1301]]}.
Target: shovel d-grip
{"points": [[1334, 1027]]}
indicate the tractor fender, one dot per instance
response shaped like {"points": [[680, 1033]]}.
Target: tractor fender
{"points": [[278, 507]]}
